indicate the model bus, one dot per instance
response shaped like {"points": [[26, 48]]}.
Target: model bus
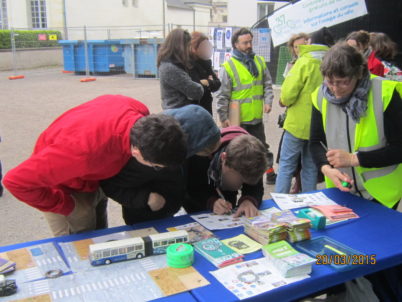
{"points": [[134, 248]]}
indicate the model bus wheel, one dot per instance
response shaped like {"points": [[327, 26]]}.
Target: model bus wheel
{"points": [[139, 256], [107, 261]]}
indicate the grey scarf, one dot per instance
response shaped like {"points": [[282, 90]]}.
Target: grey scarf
{"points": [[248, 60], [355, 104]]}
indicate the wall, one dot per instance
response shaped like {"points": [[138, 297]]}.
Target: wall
{"points": [[245, 12], [242, 12], [28, 59], [17, 13]]}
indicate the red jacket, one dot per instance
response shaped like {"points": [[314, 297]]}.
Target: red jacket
{"points": [[86, 144], [375, 66]]}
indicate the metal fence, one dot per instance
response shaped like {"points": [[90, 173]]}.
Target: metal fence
{"points": [[95, 51]]}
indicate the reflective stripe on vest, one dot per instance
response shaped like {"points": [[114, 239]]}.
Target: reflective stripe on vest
{"points": [[249, 92], [384, 184]]}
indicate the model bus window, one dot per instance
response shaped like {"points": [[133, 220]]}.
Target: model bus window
{"points": [[114, 252], [164, 242], [130, 249], [171, 241], [122, 250], [157, 244], [98, 255], [138, 247], [179, 240], [106, 253]]}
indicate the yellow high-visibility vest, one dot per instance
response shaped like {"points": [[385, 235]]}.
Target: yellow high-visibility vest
{"points": [[384, 184], [246, 89]]}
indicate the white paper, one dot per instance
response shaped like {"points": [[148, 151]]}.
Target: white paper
{"points": [[294, 201], [228, 55], [212, 35], [218, 222], [217, 61], [219, 38], [250, 278], [228, 37]]}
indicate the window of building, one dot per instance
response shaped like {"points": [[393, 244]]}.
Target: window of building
{"points": [[263, 9], [3, 14], [38, 13]]}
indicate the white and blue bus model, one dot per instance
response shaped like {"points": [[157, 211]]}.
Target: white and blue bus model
{"points": [[160, 242], [134, 248]]}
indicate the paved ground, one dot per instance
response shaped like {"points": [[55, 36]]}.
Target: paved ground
{"points": [[28, 106]]}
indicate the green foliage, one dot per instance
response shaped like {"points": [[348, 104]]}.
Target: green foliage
{"points": [[28, 38]]}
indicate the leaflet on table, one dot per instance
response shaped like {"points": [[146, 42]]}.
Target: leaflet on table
{"points": [[294, 201], [250, 278], [196, 231], [220, 222]]}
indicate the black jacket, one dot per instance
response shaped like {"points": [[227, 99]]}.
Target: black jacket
{"points": [[132, 186], [202, 70]]}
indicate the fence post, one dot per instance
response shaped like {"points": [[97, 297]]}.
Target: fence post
{"points": [[14, 55], [87, 78]]}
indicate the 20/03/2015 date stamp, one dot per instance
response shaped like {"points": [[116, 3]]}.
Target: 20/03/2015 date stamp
{"points": [[344, 259]]}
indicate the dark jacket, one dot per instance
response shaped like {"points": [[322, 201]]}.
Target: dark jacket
{"points": [[133, 184], [203, 175], [177, 88], [202, 70]]}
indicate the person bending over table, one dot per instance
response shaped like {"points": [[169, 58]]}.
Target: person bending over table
{"points": [[213, 182], [359, 117], [86, 144], [148, 194]]}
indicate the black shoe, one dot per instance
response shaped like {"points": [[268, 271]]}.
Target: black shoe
{"points": [[1, 190], [271, 178]]}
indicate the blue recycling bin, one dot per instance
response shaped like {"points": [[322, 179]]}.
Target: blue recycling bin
{"points": [[104, 56], [140, 57]]}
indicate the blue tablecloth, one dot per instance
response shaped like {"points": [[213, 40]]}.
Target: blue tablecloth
{"points": [[377, 231]]}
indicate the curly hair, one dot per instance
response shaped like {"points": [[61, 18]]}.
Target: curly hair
{"points": [[248, 156]]}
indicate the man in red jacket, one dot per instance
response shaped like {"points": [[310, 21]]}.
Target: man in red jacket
{"points": [[84, 145]]}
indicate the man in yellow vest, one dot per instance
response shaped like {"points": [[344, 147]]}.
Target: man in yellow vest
{"points": [[246, 91], [356, 128]]}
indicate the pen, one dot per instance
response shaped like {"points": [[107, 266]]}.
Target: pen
{"points": [[325, 147], [222, 197]]}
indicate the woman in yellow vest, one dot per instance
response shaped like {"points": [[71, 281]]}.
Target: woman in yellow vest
{"points": [[356, 128]]}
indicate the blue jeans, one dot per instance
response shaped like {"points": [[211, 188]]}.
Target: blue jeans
{"points": [[291, 150]]}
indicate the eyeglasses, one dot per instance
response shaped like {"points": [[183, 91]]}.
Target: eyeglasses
{"points": [[338, 83]]}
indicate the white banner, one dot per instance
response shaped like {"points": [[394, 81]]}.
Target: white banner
{"points": [[310, 15]]}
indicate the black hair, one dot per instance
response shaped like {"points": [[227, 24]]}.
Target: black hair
{"points": [[238, 33], [323, 36], [160, 139]]}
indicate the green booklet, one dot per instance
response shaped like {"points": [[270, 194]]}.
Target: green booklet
{"points": [[217, 253], [287, 260]]}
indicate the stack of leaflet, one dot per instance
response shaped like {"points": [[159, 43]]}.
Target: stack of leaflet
{"points": [[288, 261], [263, 230], [336, 212], [283, 225], [298, 229], [6, 266], [217, 253]]}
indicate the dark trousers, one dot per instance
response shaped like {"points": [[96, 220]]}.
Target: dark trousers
{"points": [[259, 132]]}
